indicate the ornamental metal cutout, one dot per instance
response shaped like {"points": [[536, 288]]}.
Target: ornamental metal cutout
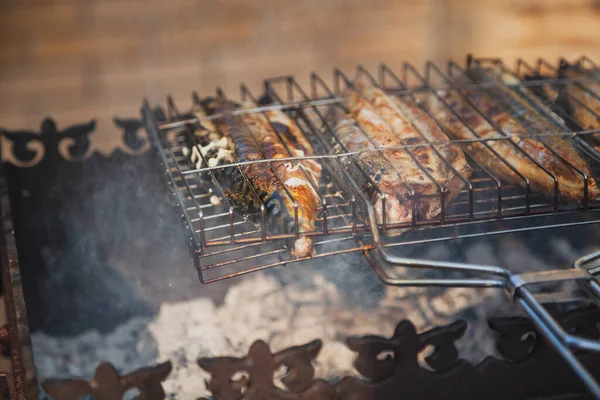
{"points": [[74, 143], [388, 368], [107, 384]]}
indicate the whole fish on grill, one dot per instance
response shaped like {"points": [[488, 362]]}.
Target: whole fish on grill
{"points": [[582, 98], [367, 167], [387, 122], [279, 186], [550, 94], [510, 151], [296, 143], [379, 179], [449, 157], [569, 164]]}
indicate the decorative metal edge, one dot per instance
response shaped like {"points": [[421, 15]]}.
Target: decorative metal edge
{"points": [[74, 143], [108, 384], [388, 367]]}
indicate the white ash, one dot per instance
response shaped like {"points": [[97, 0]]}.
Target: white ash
{"points": [[260, 306], [293, 306]]}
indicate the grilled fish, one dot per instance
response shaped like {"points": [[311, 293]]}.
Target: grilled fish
{"points": [[544, 90], [386, 122], [568, 159], [452, 154], [388, 180], [280, 186], [549, 93], [583, 98], [296, 143], [511, 148], [368, 168]]}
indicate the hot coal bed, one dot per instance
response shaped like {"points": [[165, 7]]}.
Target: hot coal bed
{"points": [[114, 309]]}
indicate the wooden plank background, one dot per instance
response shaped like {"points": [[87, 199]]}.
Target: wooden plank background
{"points": [[76, 60], [80, 59]]}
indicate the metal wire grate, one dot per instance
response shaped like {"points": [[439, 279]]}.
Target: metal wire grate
{"points": [[550, 84], [225, 243]]}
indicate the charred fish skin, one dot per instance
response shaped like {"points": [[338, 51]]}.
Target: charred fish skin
{"points": [[303, 196], [398, 199], [507, 156], [582, 98], [380, 136], [238, 190], [571, 182], [275, 183], [296, 143], [408, 124], [452, 153]]}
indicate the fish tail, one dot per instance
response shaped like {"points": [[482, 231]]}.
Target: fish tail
{"points": [[278, 214], [281, 215]]}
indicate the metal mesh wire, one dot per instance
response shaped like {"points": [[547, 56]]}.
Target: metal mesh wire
{"points": [[225, 243]]}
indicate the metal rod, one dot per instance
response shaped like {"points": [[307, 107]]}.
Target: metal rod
{"points": [[150, 124], [561, 349]]}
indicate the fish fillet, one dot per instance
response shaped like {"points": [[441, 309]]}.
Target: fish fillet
{"points": [[566, 160], [508, 148], [583, 98], [387, 122], [281, 186], [389, 181]]}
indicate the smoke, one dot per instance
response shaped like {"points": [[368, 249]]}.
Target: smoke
{"points": [[115, 249], [100, 243]]}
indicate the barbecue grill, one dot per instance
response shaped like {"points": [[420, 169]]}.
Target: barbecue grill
{"points": [[224, 244]]}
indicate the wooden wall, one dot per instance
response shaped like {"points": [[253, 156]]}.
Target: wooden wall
{"points": [[78, 59]]}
